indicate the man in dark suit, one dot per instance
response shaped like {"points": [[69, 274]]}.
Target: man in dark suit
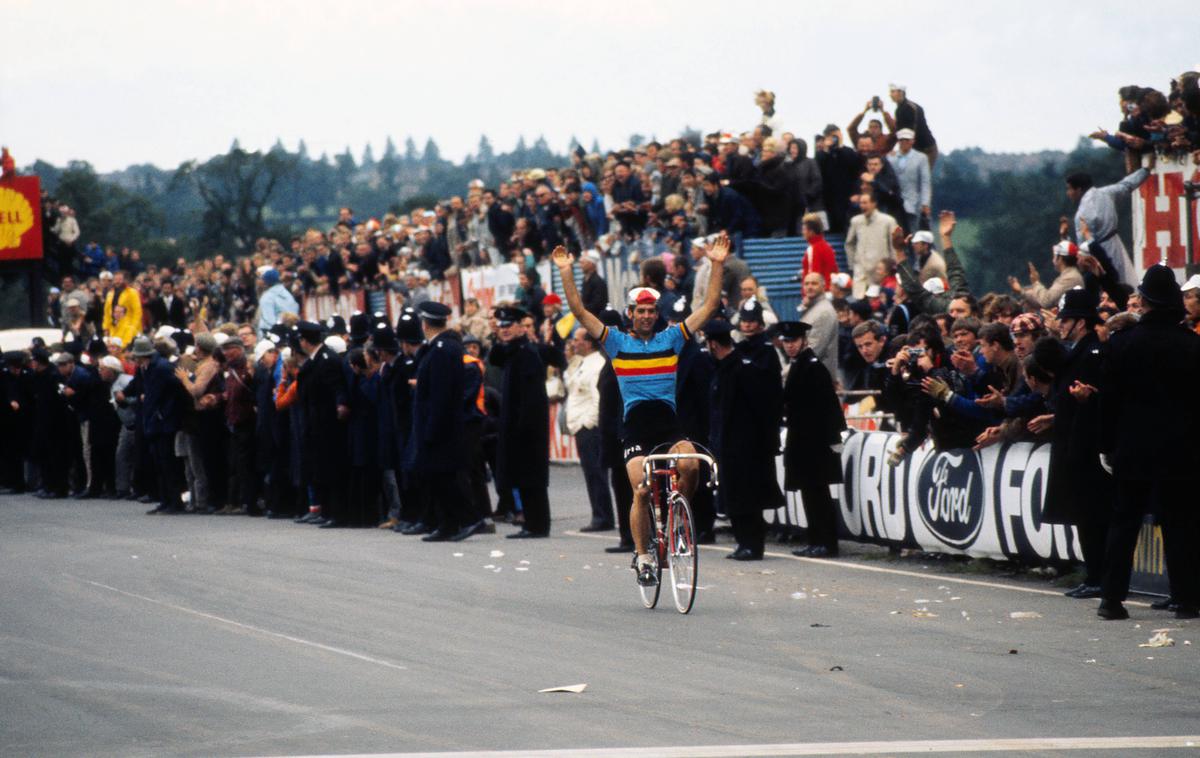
{"points": [[1149, 443], [168, 308], [162, 408], [811, 454], [523, 453], [594, 290], [324, 398]]}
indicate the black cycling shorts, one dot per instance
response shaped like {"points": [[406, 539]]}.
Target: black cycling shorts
{"points": [[650, 423]]}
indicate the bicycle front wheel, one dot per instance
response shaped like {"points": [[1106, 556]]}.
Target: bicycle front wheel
{"points": [[650, 593], [682, 557]]}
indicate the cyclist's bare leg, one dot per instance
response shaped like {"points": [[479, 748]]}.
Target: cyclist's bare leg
{"points": [[689, 470], [639, 518]]}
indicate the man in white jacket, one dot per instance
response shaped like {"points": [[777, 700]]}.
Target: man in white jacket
{"points": [[583, 421]]}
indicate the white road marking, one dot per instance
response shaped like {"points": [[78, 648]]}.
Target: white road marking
{"points": [[879, 570], [251, 627], [822, 748]]}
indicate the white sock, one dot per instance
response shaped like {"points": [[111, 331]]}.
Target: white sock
{"points": [[643, 559]]}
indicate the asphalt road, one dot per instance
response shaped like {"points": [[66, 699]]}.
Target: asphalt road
{"points": [[128, 635]]}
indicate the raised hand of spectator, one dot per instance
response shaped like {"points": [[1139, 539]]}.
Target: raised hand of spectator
{"points": [[899, 243], [1015, 285], [1090, 264], [1034, 276], [935, 388], [1082, 392], [1041, 424], [1064, 227], [990, 436], [993, 399], [1101, 134], [964, 362], [1085, 233]]}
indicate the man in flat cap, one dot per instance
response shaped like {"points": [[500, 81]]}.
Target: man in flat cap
{"points": [[162, 397]]}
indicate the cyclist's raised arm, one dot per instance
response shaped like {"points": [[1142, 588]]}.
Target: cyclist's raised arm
{"points": [[717, 253], [586, 318]]}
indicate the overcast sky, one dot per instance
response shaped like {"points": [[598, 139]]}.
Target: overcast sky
{"points": [[163, 81]]}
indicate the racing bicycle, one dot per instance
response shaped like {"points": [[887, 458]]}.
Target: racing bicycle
{"points": [[673, 538]]}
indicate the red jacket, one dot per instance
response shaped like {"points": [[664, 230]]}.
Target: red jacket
{"points": [[819, 259]]}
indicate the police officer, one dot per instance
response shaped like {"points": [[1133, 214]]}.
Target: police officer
{"points": [[693, 378], [523, 451], [1078, 490], [746, 393], [435, 446], [811, 454], [412, 492], [16, 413], [1149, 441], [324, 401]]}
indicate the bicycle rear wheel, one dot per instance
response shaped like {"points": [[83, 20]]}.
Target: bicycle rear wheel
{"points": [[650, 594], [682, 556]]}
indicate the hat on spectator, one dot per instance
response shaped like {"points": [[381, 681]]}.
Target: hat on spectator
{"points": [[183, 339], [841, 280], [262, 348], [14, 357], [552, 299], [423, 275], [717, 327], [142, 348], [1191, 284], [934, 286], [234, 341], [1026, 323], [680, 309], [1159, 288], [610, 316], [1066, 249], [591, 254], [792, 330], [97, 347], [62, 359], [335, 343], [335, 324], [106, 274], [207, 342], [221, 338], [308, 330], [874, 290], [384, 338], [507, 315], [726, 138], [112, 363], [751, 310], [923, 235], [434, 312], [1078, 303], [471, 339], [642, 296], [862, 309], [906, 134], [163, 332], [270, 277]]}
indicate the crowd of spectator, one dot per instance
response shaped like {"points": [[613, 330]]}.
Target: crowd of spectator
{"points": [[190, 380]]}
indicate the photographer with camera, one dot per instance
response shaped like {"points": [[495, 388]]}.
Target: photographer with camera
{"points": [[882, 141]]}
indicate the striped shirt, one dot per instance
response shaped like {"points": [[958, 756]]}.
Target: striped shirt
{"points": [[645, 369]]}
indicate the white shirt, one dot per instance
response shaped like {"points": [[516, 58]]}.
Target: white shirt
{"points": [[583, 392]]}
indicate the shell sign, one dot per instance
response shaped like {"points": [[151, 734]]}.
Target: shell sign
{"points": [[20, 219]]}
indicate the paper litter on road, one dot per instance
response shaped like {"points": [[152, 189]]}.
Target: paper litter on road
{"points": [[521, 568], [1024, 615], [458, 555], [799, 595], [496, 554], [1159, 640], [490, 566], [573, 688], [524, 563], [924, 615]]}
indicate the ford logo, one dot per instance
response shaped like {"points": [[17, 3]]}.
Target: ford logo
{"points": [[950, 497]]}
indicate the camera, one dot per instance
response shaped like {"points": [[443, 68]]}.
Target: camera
{"points": [[912, 370], [876, 103]]}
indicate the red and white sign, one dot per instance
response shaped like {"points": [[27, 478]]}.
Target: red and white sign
{"points": [[1160, 214], [20, 219], [320, 307]]}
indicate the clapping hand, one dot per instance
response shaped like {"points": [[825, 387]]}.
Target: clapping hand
{"points": [[993, 399], [1041, 424], [990, 436], [1081, 391]]}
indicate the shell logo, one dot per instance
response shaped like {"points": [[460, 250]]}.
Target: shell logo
{"points": [[16, 218]]}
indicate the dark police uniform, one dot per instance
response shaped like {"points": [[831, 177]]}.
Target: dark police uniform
{"points": [[815, 422]]}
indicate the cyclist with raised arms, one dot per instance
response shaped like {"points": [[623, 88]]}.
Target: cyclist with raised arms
{"points": [[645, 361]]}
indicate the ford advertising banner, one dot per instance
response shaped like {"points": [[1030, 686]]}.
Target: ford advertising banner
{"points": [[985, 505]]}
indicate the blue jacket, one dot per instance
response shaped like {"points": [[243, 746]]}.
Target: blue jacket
{"points": [[275, 301], [161, 401]]}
